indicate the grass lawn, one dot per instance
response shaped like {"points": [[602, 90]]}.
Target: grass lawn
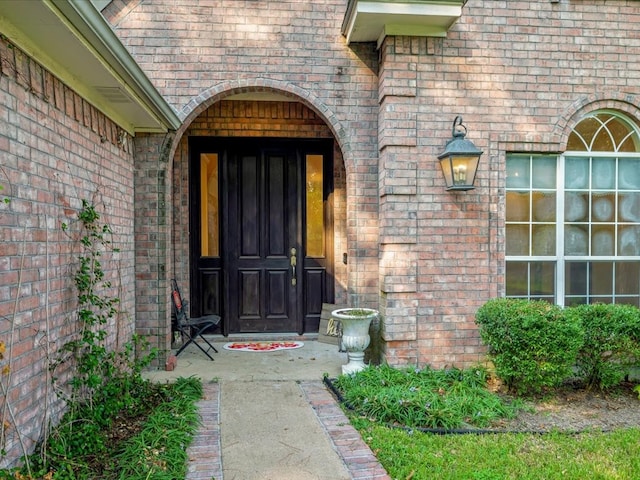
{"points": [[421, 456], [389, 407]]}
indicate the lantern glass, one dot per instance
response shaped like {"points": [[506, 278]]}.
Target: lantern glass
{"points": [[459, 171]]}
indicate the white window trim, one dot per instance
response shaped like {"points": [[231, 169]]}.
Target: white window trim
{"points": [[560, 260]]}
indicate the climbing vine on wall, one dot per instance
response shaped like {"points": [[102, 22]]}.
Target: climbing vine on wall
{"points": [[95, 308]]}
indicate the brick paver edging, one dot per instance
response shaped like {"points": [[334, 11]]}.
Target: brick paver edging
{"points": [[204, 453], [355, 453]]}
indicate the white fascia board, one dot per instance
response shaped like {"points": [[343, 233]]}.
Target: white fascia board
{"points": [[51, 62], [98, 33], [74, 42], [371, 20]]}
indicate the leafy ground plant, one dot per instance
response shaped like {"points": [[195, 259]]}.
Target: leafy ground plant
{"points": [[532, 344], [145, 440], [159, 450], [427, 398], [611, 343]]}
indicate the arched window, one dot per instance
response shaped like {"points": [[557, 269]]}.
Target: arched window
{"points": [[573, 221], [604, 132]]}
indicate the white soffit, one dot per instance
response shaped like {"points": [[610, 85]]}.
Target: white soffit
{"points": [[372, 20], [71, 39]]}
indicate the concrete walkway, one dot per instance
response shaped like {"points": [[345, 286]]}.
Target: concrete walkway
{"points": [[268, 416]]}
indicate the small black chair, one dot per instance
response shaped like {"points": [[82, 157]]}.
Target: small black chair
{"points": [[191, 328]]}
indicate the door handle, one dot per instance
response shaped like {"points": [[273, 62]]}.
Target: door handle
{"points": [[293, 261]]}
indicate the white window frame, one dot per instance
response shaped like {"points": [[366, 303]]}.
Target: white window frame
{"points": [[563, 259], [560, 259]]}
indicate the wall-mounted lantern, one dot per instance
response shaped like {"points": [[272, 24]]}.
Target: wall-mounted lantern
{"points": [[460, 158]]}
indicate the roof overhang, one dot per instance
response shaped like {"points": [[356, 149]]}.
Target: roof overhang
{"points": [[373, 20], [72, 40]]}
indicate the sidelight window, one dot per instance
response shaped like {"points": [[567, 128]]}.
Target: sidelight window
{"points": [[315, 206], [209, 205]]}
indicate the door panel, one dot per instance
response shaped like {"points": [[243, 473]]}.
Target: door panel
{"points": [[277, 208], [246, 231], [315, 281], [249, 289], [262, 194], [212, 285], [248, 211]]}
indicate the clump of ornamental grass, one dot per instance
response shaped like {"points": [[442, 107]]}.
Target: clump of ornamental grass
{"points": [[425, 398]]}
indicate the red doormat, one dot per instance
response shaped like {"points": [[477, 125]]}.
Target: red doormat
{"points": [[261, 346]]}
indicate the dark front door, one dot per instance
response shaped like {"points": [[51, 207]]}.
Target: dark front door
{"points": [[261, 230], [263, 236]]}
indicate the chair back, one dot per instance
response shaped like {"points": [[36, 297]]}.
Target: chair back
{"points": [[179, 305]]}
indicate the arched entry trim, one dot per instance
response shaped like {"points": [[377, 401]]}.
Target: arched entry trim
{"points": [[229, 88]]}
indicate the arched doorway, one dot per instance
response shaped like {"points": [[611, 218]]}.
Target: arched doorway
{"points": [[261, 215]]}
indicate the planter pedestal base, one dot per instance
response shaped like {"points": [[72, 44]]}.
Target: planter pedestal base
{"points": [[355, 335], [355, 364]]}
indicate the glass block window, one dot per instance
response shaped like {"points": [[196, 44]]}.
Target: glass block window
{"points": [[573, 221]]}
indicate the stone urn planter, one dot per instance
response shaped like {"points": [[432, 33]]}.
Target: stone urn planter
{"points": [[355, 335]]}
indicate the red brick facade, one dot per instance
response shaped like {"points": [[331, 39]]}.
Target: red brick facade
{"points": [[520, 73], [324, 84], [516, 73], [57, 150]]}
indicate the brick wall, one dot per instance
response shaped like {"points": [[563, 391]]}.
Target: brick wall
{"points": [[55, 151], [153, 252], [290, 48], [519, 72]]}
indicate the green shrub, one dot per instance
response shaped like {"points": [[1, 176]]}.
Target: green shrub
{"points": [[533, 344], [611, 342]]}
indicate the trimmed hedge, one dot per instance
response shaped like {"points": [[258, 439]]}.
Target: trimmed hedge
{"points": [[536, 345], [533, 344], [611, 343]]}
